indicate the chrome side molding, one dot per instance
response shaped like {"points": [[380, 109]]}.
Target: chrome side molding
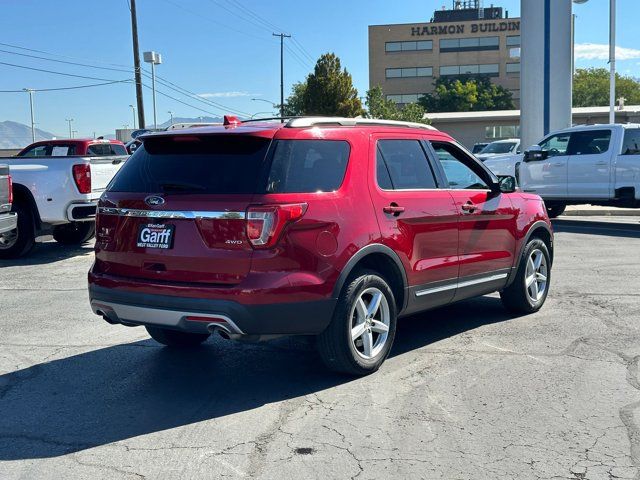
{"points": [[462, 284], [177, 214]]}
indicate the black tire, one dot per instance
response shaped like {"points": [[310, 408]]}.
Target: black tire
{"points": [[515, 297], [335, 346], [74, 233], [175, 338], [555, 211], [20, 241]]}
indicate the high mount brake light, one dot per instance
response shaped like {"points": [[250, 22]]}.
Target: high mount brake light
{"points": [[82, 177], [265, 224]]}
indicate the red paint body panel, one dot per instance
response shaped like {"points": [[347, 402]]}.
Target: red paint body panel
{"points": [[213, 259], [81, 144]]}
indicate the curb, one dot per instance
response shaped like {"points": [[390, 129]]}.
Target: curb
{"points": [[603, 213]]}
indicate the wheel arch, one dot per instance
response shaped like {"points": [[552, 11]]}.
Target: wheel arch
{"points": [[541, 230], [382, 259], [23, 194]]}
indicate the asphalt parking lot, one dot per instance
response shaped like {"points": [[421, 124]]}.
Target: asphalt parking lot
{"points": [[468, 392]]}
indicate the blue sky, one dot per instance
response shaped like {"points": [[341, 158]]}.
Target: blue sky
{"points": [[221, 49]]}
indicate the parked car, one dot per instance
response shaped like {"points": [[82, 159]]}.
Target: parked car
{"points": [[477, 147], [8, 219], [56, 191], [589, 164], [319, 226], [89, 147], [509, 146]]}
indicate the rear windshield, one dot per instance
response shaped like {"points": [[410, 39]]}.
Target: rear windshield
{"points": [[233, 164], [106, 149]]}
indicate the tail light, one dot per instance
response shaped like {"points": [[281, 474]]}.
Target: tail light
{"points": [[82, 177], [265, 224], [10, 189]]}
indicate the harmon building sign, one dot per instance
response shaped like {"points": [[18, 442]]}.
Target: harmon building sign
{"points": [[460, 28]]}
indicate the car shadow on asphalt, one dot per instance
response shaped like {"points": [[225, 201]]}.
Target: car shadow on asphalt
{"points": [[117, 393], [49, 252]]}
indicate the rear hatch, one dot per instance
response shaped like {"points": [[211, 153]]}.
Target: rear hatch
{"points": [[176, 210]]}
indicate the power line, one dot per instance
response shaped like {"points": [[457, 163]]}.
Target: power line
{"points": [[18, 47], [66, 62], [67, 88], [304, 50], [58, 73], [180, 101]]}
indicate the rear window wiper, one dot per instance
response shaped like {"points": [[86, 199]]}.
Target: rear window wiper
{"points": [[176, 187]]}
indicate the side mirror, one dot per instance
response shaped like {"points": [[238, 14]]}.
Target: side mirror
{"points": [[506, 184], [535, 154]]}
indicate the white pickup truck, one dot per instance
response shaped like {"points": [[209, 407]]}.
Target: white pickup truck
{"points": [[57, 193], [587, 164]]}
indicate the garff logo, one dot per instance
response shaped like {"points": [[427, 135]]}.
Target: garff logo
{"points": [[154, 201]]}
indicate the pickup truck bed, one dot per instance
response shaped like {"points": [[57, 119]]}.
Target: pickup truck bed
{"points": [[57, 195]]}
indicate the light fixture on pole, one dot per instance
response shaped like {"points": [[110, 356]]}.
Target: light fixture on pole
{"points": [[70, 120], [33, 123], [133, 108], [612, 58], [154, 58], [171, 114]]}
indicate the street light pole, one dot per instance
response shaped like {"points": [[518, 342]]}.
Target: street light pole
{"points": [[282, 37], [171, 115], [133, 108], [154, 59], [33, 123], [70, 120], [612, 61]]}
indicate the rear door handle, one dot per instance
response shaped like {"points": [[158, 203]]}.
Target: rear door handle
{"points": [[393, 209], [468, 208], [558, 164], [602, 163]]}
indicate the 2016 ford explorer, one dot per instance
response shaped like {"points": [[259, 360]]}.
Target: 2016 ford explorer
{"points": [[318, 226]]}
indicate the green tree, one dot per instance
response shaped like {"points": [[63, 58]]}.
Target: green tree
{"points": [[467, 93], [328, 90], [591, 88], [382, 108]]}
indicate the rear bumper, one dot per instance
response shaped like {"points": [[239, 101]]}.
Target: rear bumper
{"points": [[199, 315], [8, 222], [82, 212]]}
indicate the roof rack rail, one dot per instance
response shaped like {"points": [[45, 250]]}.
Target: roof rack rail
{"points": [[301, 122], [264, 119]]}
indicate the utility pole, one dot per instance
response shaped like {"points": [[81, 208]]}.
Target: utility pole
{"points": [[70, 120], [33, 123], [136, 63], [171, 113], [282, 37]]}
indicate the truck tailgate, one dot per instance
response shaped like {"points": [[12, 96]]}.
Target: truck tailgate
{"points": [[102, 171], [4, 189]]}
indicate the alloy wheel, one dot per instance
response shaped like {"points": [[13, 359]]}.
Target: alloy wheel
{"points": [[370, 320], [536, 275]]}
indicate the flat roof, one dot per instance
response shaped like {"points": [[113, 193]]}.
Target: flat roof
{"points": [[445, 117]]}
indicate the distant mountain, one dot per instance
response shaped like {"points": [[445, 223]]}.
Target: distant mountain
{"points": [[187, 120], [18, 135]]}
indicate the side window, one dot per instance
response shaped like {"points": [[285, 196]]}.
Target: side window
{"points": [[591, 142], [556, 144], [631, 144], [458, 168], [39, 151], [307, 166], [117, 149], [99, 150], [403, 165]]}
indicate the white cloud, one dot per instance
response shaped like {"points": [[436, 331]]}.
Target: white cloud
{"points": [[227, 94], [600, 51]]}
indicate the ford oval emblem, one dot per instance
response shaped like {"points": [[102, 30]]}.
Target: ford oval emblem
{"points": [[154, 201]]}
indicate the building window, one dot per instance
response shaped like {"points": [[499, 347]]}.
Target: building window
{"points": [[409, 72], [513, 68], [513, 41], [469, 44], [420, 45], [502, 131], [406, 98], [491, 69]]}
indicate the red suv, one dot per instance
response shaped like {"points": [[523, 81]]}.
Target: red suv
{"points": [[317, 226]]}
